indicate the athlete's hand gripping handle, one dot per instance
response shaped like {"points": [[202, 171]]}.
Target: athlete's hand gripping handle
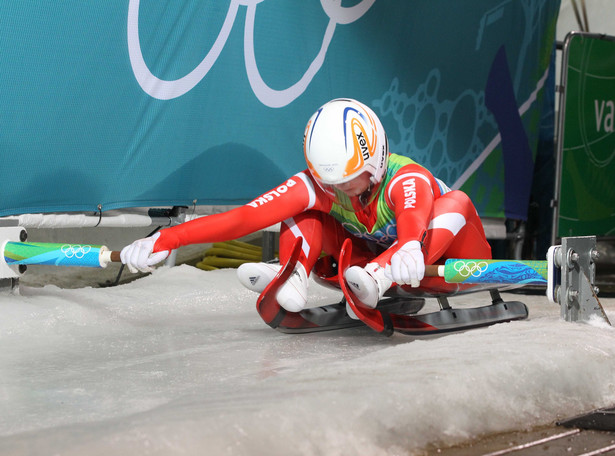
{"points": [[407, 265], [138, 256]]}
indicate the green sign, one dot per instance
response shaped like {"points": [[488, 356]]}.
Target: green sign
{"points": [[587, 137]]}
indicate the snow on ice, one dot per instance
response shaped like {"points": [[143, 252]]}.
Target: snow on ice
{"points": [[179, 362]]}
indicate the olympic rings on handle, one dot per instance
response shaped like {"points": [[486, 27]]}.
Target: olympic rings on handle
{"points": [[470, 268], [75, 250]]}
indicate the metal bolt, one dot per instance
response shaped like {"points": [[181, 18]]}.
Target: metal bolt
{"points": [[573, 258], [596, 290], [572, 295], [594, 254]]}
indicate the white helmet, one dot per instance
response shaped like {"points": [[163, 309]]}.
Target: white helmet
{"points": [[343, 139]]}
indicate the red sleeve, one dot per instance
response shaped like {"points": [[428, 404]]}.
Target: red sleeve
{"points": [[411, 194], [286, 200]]}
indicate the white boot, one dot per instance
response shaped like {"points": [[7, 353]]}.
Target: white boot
{"points": [[292, 295], [369, 283], [256, 276]]}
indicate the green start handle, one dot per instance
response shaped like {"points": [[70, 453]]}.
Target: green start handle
{"points": [[495, 271], [456, 270], [43, 253]]}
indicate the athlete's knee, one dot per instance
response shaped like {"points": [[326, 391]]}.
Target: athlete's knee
{"points": [[461, 203]]}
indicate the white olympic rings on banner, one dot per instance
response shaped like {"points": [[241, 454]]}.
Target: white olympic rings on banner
{"points": [[75, 250], [470, 268], [166, 90]]}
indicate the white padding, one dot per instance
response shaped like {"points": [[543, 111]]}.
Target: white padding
{"points": [[452, 221]]}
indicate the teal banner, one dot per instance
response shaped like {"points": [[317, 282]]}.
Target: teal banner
{"points": [[146, 103]]}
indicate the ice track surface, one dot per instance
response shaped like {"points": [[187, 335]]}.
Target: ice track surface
{"points": [[179, 362]]}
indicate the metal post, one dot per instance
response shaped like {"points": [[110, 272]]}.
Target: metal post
{"points": [[9, 275], [171, 259], [268, 241], [577, 294]]}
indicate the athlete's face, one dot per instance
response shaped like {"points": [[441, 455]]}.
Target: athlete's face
{"points": [[356, 186]]}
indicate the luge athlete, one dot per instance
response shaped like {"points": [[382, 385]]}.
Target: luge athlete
{"points": [[399, 216]]}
